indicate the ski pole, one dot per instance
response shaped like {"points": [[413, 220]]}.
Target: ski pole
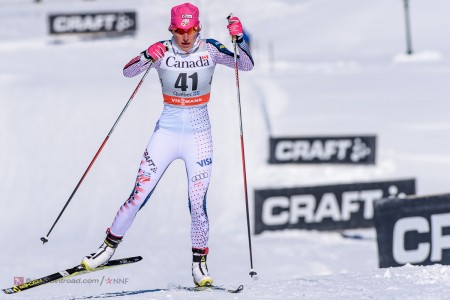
{"points": [[236, 71], [45, 239]]}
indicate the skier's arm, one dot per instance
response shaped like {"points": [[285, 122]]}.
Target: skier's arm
{"points": [[136, 66], [221, 55], [149, 58]]}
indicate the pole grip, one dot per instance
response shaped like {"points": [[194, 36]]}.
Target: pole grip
{"points": [[233, 37]]}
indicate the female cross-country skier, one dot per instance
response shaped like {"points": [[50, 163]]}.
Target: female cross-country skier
{"points": [[185, 66]]}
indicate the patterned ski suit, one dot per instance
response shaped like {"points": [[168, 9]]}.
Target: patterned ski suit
{"points": [[183, 129]]}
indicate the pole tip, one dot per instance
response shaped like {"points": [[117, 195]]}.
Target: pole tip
{"points": [[44, 240], [252, 273]]}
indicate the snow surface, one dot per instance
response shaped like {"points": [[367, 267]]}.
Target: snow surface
{"points": [[339, 68]]}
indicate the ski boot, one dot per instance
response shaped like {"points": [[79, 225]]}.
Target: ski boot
{"points": [[199, 268], [103, 254]]}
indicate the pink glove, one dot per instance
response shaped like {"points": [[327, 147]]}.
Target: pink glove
{"points": [[235, 27], [156, 51]]}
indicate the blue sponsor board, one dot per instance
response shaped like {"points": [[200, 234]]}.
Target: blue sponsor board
{"points": [[323, 150], [415, 230], [330, 207], [95, 22]]}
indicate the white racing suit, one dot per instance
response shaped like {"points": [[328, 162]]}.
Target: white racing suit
{"points": [[183, 130]]}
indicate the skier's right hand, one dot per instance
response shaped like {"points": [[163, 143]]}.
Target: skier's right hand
{"points": [[156, 51], [235, 27]]}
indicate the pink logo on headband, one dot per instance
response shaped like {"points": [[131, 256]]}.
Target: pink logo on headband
{"points": [[184, 15]]}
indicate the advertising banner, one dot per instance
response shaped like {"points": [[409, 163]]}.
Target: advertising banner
{"points": [[323, 150], [414, 230], [331, 207], [98, 22]]}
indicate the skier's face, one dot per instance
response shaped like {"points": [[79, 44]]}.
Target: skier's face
{"points": [[185, 38]]}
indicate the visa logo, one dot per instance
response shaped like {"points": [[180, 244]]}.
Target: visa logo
{"points": [[205, 162]]}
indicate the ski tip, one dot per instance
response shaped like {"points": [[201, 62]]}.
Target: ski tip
{"points": [[133, 259], [238, 290], [10, 291], [127, 260]]}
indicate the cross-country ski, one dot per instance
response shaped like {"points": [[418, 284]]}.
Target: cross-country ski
{"points": [[75, 271], [205, 289], [212, 288]]}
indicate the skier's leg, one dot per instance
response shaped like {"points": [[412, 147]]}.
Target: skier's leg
{"points": [[160, 152], [198, 155], [198, 187]]}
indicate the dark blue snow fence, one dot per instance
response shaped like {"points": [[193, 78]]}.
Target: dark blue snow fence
{"points": [[106, 23], [350, 150], [414, 230], [331, 207]]}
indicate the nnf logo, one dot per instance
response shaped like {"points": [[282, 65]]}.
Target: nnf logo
{"points": [[336, 150], [19, 281]]}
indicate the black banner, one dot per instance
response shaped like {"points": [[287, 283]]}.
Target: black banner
{"points": [[320, 150], [415, 231], [100, 22], [330, 207]]}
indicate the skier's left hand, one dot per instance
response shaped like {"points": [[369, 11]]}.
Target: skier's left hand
{"points": [[235, 27]]}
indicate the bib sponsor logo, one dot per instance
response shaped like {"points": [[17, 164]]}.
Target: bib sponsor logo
{"points": [[186, 101], [202, 61]]}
